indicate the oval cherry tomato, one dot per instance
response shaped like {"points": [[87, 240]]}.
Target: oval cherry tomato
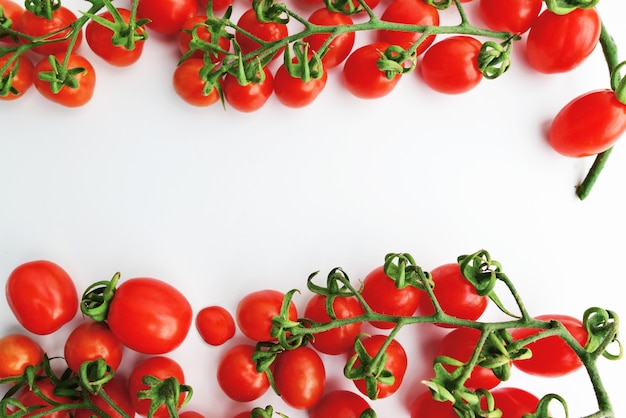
{"points": [[451, 65], [29, 398], [424, 406], [361, 75], [149, 315], [551, 356], [89, 341], [38, 308], [166, 16], [515, 16], [215, 325], [160, 367], [267, 31], [238, 377], [68, 96], [300, 377], [117, 390], [588, 125], [413, 12], [17, 352], [339, 404], [190, 86], [32, 25], [22, 79], [559, 43], [255, 312], [513, 402], [197, 23], [99, 39], [341, 46], [249, 97], [12, 11], [293, 91]]}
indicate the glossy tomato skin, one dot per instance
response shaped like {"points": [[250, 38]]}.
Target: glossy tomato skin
{"points": [[160, 367], [30, 398], [190, 87], [17, 352], [300, 377], [267, 31], [560, 43], [341, 46], [185, 36], [237, 375], [42, 296], [293, 91], [215, 325], [149, 315], [382, 295], [588, 125], [551, 356], [99, 39], [424, 406], [12, 11], [451, 65], [35, 26], [250, 97], [89, 341], [255, 312], [514, 402], [413, 12], [218, 5], [166, 16], [515, 16], [68, 96], [117, 390], [23, 78], [339, 404], [361, 75]]}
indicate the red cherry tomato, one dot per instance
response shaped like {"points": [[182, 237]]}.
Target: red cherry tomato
{"points": [[267, 31], [424, 406], [149, 315], [197, 23], [117, 390], [300, 377], [30, 398], [588, 125], [341, 46], [190, 86], [89, 341], [166, 16], [339, 404], [559, 43], [451, 65], [215, 325], [513, 402], [249, 97], [17, 352], [58, 27], [255, 312], [218, 5], [68, 96], [12, 11], [160, 367], [293, 91], [515, 16], [38, 308], [99, 39], [361, 75], [413, 12], [238, 377], [22, 79], [190, 414]]}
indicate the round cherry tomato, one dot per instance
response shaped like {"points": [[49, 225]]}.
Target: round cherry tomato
{"points": [[396, 363], [267, 31], [413, 12], [89, 341], [295, 93], [256, 310], [424, 406], [382, 295], [149, 315], [29, 398], [99, 39], [515, 16], [32, 25], [117, 390], [166, 16], [361, 75], [22, 79], [160, 367], [300, 377], [190, 86], [339, 404], [215, 325], [238, 377], [68, 96], [513, 402], [588, 125], [451, 65], [456, 295], [41, 309], [341, 46], [11, 11], [197, 23], [559, 43], [249, 97], [551, 356], [17, 352]]}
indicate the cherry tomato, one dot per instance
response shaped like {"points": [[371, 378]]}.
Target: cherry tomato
{"points": [[293, 91], [249, 97], [559, 43], [413, 12], [513, 402], [238, 377], [157, 366], [588, 125], [255, 312], [361, 75], [451, 65], [267, 31], [89, 341], [41, 309], [11, 11], [17, 352], [117, 390], [300, 377], [190, 86], [166, 16], [341, 46], [197, 23], [215, 325], [22, 79], [382, 295], [424, 406], [68, 96], [99, 39], [339, 404], [218, 5], [551, 356], [29, 398], [515, 16], [190, 414], [32, 25], [456, 295]]}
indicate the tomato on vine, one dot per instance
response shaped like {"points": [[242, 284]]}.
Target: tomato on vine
{"points": [[265, 31], [361, 74], [515, 16], [248, 97], [21, 73], [166, 16], [190, 86], [117, 390], [197, 23], [255, 312], [425, 406], [413, 12], [71, 85], [300, 377], [89, 341], [341, 46], [17, 352], [238, 377], [31, 398], [11, 11], [514, 402], [293, 91], [59, 27], [339, 404]]}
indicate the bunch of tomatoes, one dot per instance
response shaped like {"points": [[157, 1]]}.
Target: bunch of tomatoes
{"points": [[282, 351]]}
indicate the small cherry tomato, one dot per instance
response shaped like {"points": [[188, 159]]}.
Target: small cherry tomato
{"points": [[90, 341], [189, 85], [17, 352], [424, 406], [197, 24], [237, 375], [56, 28], [255, 312], [267, 31], [157, 366], [99, 38], [515, 16], [361, 75], [117, 390], [293, 91], [251, 96], [217, 5], [300, 377], [30, 398], [68, 96], [166, 16], [341, 46], [413, 12], [513, 402], [215, 325], [22, 78], [339, 404], [11, 11]]}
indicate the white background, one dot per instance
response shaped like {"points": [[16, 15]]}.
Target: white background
{"points": [[221, 203]]}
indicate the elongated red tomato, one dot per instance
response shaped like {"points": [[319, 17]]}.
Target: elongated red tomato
{"points": [[340, 47], [515, 16], [17, 352], [361, 75], [588, 125], [300, 377], [99, 39], [412, 12], [160, 367], [68, 95], [89, 341], [56, 28], [23, 77], [41, 309], [514, 402]]}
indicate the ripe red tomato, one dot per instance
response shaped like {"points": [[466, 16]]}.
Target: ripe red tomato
{"points": [[190, 86], [396, 363], [22, 79], [413, 12], [559, 43], [513, 402], [41, 309], [68, 96], [218, 5], [456, 295], [160, 367], [99, 39], [300, 377], [588, 125], [339, 404], [451, 65], [295, 93], [551, 356], [29, 398], [149, 315], [238, 377], [197, 23], [249, 97], [12, 11], [361, 75], [382, 295], [190, 414], [32, 25], [166, 16], [17, 352], [266, 31], [424, 406], [255, 312], [341, 46], [117, 390], [215, 325], [89, 341], [515, 16]]}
